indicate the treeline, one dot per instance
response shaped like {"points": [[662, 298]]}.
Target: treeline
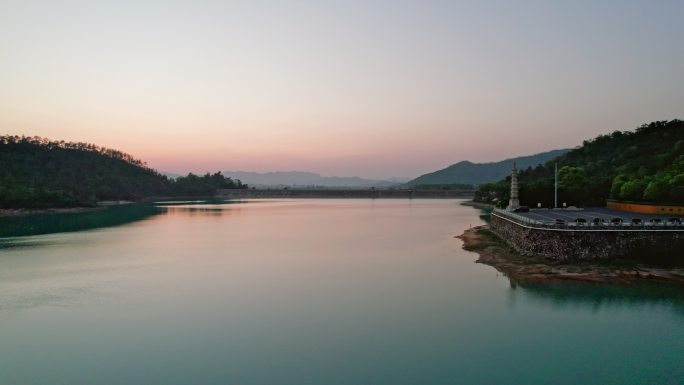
{"points": [[644, 165], [204, 185], [80, 146], [38, 173]]}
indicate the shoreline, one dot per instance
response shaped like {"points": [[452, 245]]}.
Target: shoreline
{"points": [[478, 205], [61, 210], [18, 212], [494, 252]]}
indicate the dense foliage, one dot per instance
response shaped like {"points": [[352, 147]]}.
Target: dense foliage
{"points": [[36, 173], [205, 185], [645, 165]]}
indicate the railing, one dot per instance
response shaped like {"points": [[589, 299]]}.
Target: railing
{"points": [[587, 226]]}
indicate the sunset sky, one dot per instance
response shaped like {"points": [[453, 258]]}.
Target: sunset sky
{"points": [[368, 88]]}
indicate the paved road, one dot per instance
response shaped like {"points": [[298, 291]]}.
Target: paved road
{"points": [[546, 215]]}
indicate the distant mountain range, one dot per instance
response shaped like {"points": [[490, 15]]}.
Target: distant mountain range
{"points": [[466, 172], [301, 178]]}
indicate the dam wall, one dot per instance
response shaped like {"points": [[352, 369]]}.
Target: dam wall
{"points": [[568, 243], [342, 193]]}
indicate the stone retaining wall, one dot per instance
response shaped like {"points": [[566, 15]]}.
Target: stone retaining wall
{"points": [[588, 244]]}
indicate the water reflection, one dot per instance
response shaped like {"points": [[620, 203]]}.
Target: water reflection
{"points": [[312, 292], [194, 210], [38, 224], [597, 297], [206, 201]]}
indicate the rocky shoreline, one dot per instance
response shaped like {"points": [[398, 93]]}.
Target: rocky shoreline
{"points": [[496, 253]]}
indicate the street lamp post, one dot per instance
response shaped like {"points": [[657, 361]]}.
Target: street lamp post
{"points": [[555, 188]]}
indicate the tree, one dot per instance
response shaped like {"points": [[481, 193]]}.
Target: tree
{"points": [[618, 181], [632, 190], [656, 190], [573, 182]]}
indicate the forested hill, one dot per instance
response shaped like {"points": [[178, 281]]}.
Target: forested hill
{"points": [[466, 172], [36, 173], [644, 165]]}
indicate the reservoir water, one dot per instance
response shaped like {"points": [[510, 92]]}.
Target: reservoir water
{"points": [[308, 292]]}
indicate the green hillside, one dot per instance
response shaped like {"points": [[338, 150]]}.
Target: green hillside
{"points": [[470, 173], [38, 173], [644, 165]]}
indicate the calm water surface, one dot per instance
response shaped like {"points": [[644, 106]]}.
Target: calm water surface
{"points": [[313, 292]]}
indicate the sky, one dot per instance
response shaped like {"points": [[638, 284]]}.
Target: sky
{"points": [[368, 88]]}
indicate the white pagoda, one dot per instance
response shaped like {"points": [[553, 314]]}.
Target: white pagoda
{"points": [[514, 202]]}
